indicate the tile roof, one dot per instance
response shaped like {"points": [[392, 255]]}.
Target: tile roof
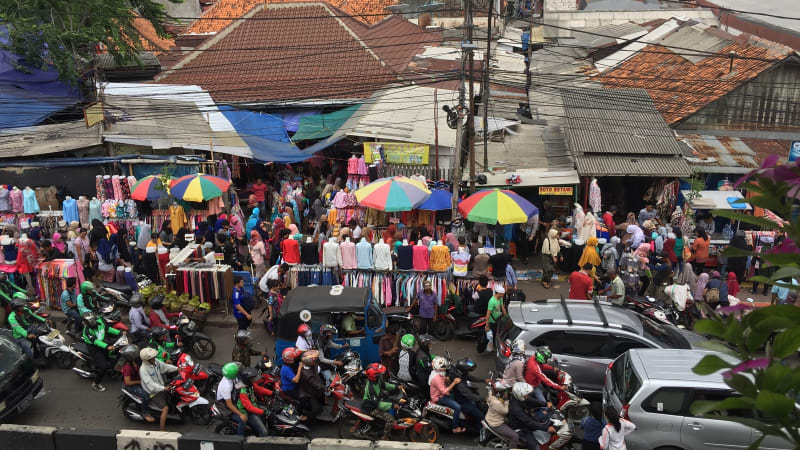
{"points": [[151, 41], [273, 58], [730, 154], [397, 41], [224, 12], [612, 166], [679, 84]]}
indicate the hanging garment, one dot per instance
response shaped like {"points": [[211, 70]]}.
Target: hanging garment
{"points": [[5, 204], [83, 211], [108, 187], [331, 256], [364, 254], [421, 258], [594, 197], [348, 251], [440, 259], [309, 253], [30, 205], [117, 186], [177, 218], [70, 210], [460, 262], [382, 256], [290, 250], [16, 200], [405, 257], [95, 210]]}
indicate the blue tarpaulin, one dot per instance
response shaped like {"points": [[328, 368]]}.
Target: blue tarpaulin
{"points": [[30, 96], [291, 119]]}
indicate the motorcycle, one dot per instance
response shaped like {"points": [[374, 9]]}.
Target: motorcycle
{"points": [[111, 316], [119, 294], [51, 346], [441, 415], [281, 419], [399, 318], [198, 344], [449, 323], [487, 437], [84, 362], [654, 309], [183, 400], [189, 370], [410, 421], [351, 371]]}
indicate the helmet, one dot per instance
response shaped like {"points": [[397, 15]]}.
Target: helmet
{"points": [[545, 351], [439, 364], [17, 302], [289, 355], [136, 300], [243, 336], [89, 319], [310, 358], [158, 332], [521, 390], [518, 347], [327, 328], [465, 365], [129, 352], [375, 370], [500, 386], [148, 353], [425, 340], [157, 302], [231, 370], [20, 295], [86, 287], [540, 358], [408, 341], [248, 375], [303, 329]]}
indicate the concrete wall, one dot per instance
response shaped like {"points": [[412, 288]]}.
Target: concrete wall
{"points": [[561, 5]]}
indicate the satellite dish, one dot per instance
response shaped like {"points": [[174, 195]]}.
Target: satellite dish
{"points": [[305, 315]]}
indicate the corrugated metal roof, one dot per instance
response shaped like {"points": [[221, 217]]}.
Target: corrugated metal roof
{"points": [[643, 166], [621, 121], [729, 154], [46, 139], [561, 24], [605, 36]]}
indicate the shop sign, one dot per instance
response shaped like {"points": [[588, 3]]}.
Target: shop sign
{"points": [[396, 153], [555, 190]]}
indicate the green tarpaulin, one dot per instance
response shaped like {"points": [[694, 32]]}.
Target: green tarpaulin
{"points": [[323, 125]]}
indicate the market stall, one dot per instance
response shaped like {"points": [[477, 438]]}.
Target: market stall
{"points": [[707, 201]]}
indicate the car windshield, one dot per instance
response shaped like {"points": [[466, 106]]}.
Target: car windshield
{"points": [[666, 336], [10, 355]]}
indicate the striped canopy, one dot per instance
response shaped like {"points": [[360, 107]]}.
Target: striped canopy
{"points": [[198, 187], [393, 194], [497, 206]]}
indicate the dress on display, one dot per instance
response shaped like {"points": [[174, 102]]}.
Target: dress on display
{"points": [[177, 218], [95, 210], [27, 257], [83, 211], [16, 200], [30, 205], [5, 205], [70, 210]]}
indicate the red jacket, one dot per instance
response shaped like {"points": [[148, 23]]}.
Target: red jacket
{"points": [[155, 321], [534, 375]]}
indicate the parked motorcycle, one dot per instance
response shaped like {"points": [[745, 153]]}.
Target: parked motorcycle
{"points": [[654, 309], [52, 346], [399, 318], [198, 344], [450, 323], [84, 362], [184, 400]]}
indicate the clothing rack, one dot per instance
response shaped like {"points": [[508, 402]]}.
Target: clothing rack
{"points": [[51, 277], [305, 275], [396, 288], [212, 283]]}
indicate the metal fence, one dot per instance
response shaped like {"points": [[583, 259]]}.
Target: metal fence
{"points": [[429, 172]]}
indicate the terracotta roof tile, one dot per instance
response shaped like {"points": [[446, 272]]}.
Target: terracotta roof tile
{"points": [[396, 41], [151, 42], [224, 11], [680, 88], [319, 57]]}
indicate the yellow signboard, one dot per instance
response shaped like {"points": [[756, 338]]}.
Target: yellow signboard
{"points": [[396, 152], [555, 190], [93, 114]]}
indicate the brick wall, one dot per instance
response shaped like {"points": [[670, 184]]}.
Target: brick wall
{"points": [[561, 5]]}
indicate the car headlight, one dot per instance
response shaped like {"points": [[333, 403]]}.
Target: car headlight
{"points": [[35, 375]]}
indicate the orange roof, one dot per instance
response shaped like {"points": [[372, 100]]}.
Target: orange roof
{"points": [[151, 42], [680, 88], [224, 11]]}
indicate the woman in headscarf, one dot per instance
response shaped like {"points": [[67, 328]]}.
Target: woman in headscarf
{"points": [[733, 284], [58, 243], [700, 291], [687, 276], [609, 254], [643, 252], [669, 249], [293, 229], [738, 264], [274, 244], [98, 232], [590, 254], [120, 240], [451, 242], [388, 235], [236, 225], [637, 235], [107, 257], [258, 253], [551, 255], [252, 222]]}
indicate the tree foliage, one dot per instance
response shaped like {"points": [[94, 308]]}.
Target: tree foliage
{"points": [[67, 34]]}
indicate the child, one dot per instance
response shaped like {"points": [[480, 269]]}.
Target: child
{"points": [[592, 428], [274, 301]]}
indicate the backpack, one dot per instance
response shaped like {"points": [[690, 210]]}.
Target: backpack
{"points": [[712, 296]]}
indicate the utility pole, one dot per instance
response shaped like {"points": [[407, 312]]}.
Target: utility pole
{"points": [[486, 90], [457, 172], [471, 114]]}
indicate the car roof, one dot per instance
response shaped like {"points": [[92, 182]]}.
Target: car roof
{"points": [[675, 365], [320, 299], [578, 312]]}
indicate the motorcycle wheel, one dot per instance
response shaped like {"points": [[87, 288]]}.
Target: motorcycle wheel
{"points": [[225, 428], [295, 433], [577, 413], [129, 408], [429, 434], [347, 427], [442, 330], [201, 414], [64, 360], [82, 365], [203, 348], [495, 442]]}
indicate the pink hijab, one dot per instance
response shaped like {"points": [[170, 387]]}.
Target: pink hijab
{"points": [[57, 243], [293, 229]]}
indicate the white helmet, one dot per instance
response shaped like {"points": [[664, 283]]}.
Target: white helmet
{"points": [[500, 386], [518, 347], [439, 364], [521, 390]]}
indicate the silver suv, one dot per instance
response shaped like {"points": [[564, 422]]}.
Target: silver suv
{"points": [[655, 388], [586, 336]]}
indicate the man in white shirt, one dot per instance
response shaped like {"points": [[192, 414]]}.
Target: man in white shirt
{"points": [[276, 273], [153, 381]]}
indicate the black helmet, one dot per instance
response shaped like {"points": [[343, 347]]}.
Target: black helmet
{"points": [[89, 319], [18, 303], [157, 302], [129, 352], [158, 332], [425, 339], [136, 300], [465, 365], [248, 375], [243, 336]]}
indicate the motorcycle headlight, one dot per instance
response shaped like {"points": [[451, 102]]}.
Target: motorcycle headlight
{"points": [[188, 361]]}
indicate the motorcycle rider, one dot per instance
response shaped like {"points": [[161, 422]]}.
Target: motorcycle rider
{"points": [[246, 400], [305, 340], [325, 343], [152, 375], [462, 393], [94, 333], [497, 412], [405, 359], [375, 402], [424, 359], [225, 396], [440, 391], [312, 389], [86, 298], [515, 367], [534, 374], [243, 349], [131, 380], [20, 320], [159, 317], [140, 324], [69, 304], [290, 376], [161, 342], [518, 417]]}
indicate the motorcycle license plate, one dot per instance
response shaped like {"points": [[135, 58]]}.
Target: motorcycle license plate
{"points": [[53, 334], [23, 405]]}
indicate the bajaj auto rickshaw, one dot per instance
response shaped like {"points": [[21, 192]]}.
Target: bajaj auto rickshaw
{"points": [[338, 310]]}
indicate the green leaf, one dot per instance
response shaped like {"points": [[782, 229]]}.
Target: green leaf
{"points": [[711, 327], [773, 323], [710, 364], [787, 311], [734, 215], [742, 385], [786, 271], [777, 378], [774, 404], [705, 406], [786, 343]]}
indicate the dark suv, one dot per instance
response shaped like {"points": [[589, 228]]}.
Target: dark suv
{"points": [[19, 379]]}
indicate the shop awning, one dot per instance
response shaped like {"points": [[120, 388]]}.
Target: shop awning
{"points": [[47, 139], [323, 125], [530, 177], [632, 165], [717, 200]]}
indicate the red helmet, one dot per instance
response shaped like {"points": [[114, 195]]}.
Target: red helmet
{"points": [[289, 355], [303, 329], [375, 370]]}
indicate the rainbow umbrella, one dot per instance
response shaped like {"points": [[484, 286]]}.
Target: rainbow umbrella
{"points": [[393, 194], [199, 187], [439, 200], [148, 188], [497, 206]]}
